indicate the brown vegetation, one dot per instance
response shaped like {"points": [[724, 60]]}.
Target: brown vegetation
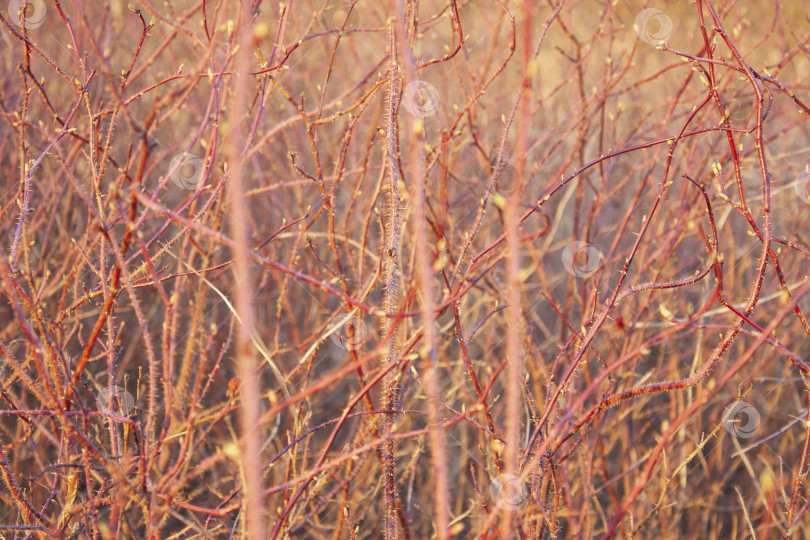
{"points": [[358, 269]]}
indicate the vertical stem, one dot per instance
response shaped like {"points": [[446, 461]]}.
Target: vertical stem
{"points": [[424, 272], [391, 382], [250, 450], [514, 316]]}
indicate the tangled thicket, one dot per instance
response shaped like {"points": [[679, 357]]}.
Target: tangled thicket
{"points": [[404, 269]]}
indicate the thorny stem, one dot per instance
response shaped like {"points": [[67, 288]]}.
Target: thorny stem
{"points": [[594, 389], [391, 381]]}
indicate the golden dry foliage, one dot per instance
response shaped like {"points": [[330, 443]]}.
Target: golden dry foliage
{"points": [[452, 269]]}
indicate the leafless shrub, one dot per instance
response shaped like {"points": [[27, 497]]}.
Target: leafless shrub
{"points": [[359, 270]]}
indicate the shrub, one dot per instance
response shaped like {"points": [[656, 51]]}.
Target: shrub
{"points": [[404, 270]]}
